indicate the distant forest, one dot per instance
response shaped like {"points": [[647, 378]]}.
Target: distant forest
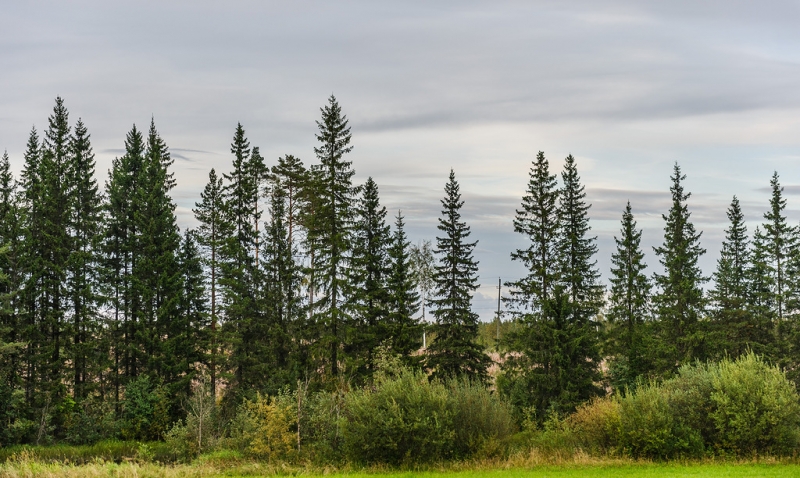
{"points": [[297, 277]]}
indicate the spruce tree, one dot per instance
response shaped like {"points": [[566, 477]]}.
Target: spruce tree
{"points": [[368, 274], [577, 267], [455, 352], [156, 275], [211, 235], [284, 305], [187, 337], [11, 268], [679, 301], [83, 267], [781, 245], [537, 220], [404, 331], [120, 248], [331, 229], [628, 303], [735, 328], [244, 327], [554, 348]]}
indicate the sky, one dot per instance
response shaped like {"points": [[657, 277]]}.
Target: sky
{"points": [[628, 88]]}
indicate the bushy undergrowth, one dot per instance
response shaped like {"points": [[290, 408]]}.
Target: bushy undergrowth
{"points": [[735, 408], [742, 408]]}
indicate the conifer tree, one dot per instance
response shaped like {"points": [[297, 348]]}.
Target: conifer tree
{"points": [[369, 272], [83, 263], [284, 305], [187, 337], [244, 327], [734, 327], [538, 221], [211, 235], [555, 351], [679, 300], [455, 351], [577, 267], [330, 230], [10, 268], [156, 274], [629, 300], [120, 247], [781, 245], [404, 331]]}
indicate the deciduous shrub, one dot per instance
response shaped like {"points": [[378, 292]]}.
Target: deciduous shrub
{"points": [[754, 408], [402, 420], [481, 420], [265, 428], [598, 424], [740, 407]]}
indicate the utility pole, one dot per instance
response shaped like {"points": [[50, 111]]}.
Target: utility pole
{"points": [[498, 312]]}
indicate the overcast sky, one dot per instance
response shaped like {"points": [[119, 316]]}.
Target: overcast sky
{"points": [[628, 88]]}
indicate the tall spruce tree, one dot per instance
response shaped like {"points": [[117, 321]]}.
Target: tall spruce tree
{"points": [[735, 329], [48, 259], [83, 274], [679, 301], [404, 330], [156, 276], [537, 220], [369, 271], [284, 303], [331, 230], [628, 303], [120, 248], [243, 322], [11, 267], [211, 235], [455, 352], [781, 245], [577, 267], [555, 351]]}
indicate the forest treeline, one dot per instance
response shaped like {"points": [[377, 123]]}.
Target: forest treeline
{"points": [[296, 277]]}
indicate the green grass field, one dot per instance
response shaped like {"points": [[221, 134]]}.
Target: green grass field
{"points": [[18, 470]]}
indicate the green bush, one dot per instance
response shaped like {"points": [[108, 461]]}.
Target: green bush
{"points": [[649, 426], [741, 407], [320, 424], [402, 420], [145, 414], [598, 424], [406, 418], [754, 408], [482, 422]]}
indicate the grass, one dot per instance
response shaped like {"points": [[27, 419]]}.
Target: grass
{"points": [[533, 465], [146, 470]]}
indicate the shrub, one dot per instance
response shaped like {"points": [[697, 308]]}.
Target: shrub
{"points": [[598, 424], [650, 428], [145, 414], [201, 431], [266, 428], [481, 420], [320, 425], [402, 420], [754, 407]]}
